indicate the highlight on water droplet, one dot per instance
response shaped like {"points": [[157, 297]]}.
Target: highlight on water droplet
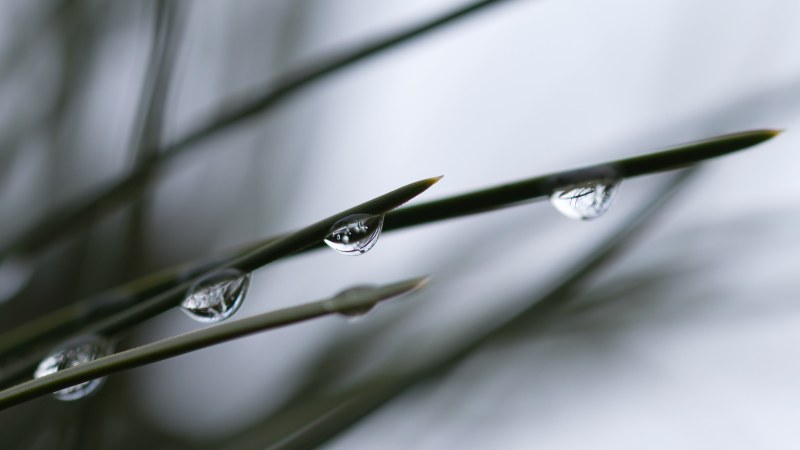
{"points": [[15, 274], [216, 296], [355, 234], [585, 201], [70, 354]]}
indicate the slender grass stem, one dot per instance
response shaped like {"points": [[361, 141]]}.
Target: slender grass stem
{"points": [[310, 424], [195, 340], [169, 295], [542, 186], [72, 317]]}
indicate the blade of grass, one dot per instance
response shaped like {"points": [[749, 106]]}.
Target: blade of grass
{"points": [[542, 186], [246, 262], [199, 339], [73, 216], [72, 317], [307, 424]]}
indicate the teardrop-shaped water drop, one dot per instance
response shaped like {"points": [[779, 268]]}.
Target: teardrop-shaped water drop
{"points": [[216, 296], [355, 234], [71, 353], [353, 313], [585, 201], [15, 274]]}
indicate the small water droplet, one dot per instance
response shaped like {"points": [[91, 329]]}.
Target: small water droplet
{"points": [[352, 314], [15, 273], [355, 234], [585, 201], [216, 296], [69, 354]]}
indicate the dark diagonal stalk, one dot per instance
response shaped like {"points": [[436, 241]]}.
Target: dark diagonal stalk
{"points": [[247, 261], [72, 317], [309, 424]]}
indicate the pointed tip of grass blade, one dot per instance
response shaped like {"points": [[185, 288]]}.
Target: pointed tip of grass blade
{"points": [[399, 196], [434, 180], [401, 288], [774, 132], [748, 138], [765, 134], [693, 152], [408, 286]]}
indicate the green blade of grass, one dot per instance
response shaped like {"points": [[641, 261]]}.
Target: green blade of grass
{"points": [[542, 186], [72, 317], [195, 340], [258, 257], [171, 294], [307, 424], [72, 216]]}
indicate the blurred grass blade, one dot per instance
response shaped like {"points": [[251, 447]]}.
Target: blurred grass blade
{"points": [[331, 415], [195, 340], [72, 216], [167, 36], [72, 317]]}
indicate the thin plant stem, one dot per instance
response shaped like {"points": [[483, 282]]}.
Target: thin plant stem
{"points": [[72, 317], [310, 422], [248, 261], [195, 340]]}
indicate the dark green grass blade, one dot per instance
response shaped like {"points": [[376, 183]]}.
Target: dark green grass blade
{"points": [[309, 424], [248, 261], [234, 112], [72, 317], [542, 186]]}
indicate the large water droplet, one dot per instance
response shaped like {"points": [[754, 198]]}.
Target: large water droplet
{"points": [[216, 296], [355, 234], [70, 354], [585, 201], [15, 273], [346, 295]]}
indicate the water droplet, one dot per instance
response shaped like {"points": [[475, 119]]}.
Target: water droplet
{"points": [[585, 201], [69, 354], [356, 234], [216, 296], [345, 296], [15, 273]]}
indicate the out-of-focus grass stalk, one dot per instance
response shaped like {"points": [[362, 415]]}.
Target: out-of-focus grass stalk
{"points": [[195, 340], [224, 117]]}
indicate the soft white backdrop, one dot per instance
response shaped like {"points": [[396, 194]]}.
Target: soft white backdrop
{"points": [[701, 356], [523, 88]]}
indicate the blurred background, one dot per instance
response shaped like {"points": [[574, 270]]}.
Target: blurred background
{"points": [[685, 340]]}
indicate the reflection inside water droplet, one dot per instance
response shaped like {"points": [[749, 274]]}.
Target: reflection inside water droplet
{"points": [[355, 234], [216, 296], [585, 201], [15, 273], [70, 354]]}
